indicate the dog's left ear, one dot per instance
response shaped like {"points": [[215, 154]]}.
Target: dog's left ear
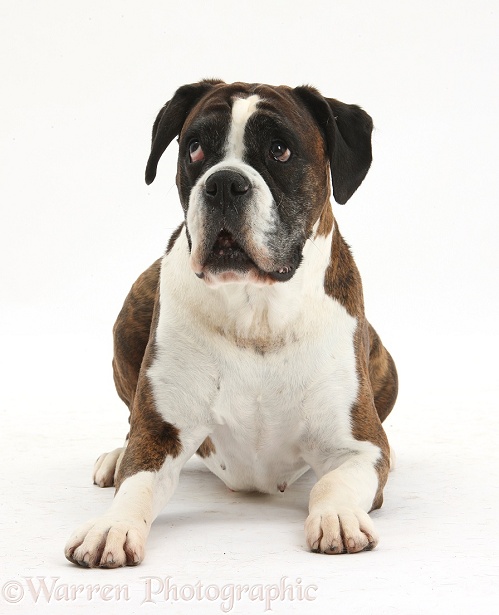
{"points": [[171, 118], [347, 131]]}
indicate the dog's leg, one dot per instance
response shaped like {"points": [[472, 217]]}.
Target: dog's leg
{"points": [[339, 502], [146, 479], [351, 481], [353, 464], [131, 333], [118, 537]]}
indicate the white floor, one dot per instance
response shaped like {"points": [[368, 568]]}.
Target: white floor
{"points": [[214, 551]]}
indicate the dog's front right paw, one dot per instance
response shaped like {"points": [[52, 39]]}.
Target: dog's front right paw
{"points": [[107, 543]]}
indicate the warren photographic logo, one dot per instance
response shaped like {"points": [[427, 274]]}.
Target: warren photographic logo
{"points": [[156, 590]]}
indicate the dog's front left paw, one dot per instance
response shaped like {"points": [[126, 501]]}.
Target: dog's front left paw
{"points": [[107, 543], [340, 531]]}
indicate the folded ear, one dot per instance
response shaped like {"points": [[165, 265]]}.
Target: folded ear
{"points": [[171, 118], [347, 131]]}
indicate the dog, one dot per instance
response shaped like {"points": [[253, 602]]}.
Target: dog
{"points": [[247, 341]]}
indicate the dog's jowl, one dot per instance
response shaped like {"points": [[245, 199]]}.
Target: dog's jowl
{"points": [[247, 341]]}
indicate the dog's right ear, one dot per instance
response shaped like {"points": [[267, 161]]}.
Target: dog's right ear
{"points": [[171, 118]]}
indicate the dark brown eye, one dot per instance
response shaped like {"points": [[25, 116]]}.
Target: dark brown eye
{"points": [[196, 153], [280, 151]]}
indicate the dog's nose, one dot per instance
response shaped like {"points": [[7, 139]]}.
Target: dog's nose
{"points": [[223, 186]]}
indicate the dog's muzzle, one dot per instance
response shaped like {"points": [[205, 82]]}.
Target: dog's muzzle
{"points": [[228, 247]]}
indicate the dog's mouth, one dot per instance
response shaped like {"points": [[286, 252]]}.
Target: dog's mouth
{"points": [[226, 246], [228, 256]]}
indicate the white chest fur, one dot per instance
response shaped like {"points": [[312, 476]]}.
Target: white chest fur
{"points": [[269, 373]]}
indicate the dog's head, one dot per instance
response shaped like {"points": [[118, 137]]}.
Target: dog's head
{"points": [[253, 172]]}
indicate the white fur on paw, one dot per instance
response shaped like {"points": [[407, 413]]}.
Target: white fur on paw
{"points": [[340, 531], [107, 543], [105, 467]]}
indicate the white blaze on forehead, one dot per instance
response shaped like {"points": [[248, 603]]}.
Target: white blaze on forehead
{"points": [[242, 110]]}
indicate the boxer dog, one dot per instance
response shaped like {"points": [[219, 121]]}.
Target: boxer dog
{"points": [[247, 341]]}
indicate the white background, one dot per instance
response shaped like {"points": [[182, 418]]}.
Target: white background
{"points": [[81, 85]]}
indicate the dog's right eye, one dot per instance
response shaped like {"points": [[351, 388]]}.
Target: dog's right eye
{"points": [[196, 153]]}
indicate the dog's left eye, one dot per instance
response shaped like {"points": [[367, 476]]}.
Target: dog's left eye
{"points": [[280, 151], [195, 151]]}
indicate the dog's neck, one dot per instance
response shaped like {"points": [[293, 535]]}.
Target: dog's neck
{"points": [[259, 317]]}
